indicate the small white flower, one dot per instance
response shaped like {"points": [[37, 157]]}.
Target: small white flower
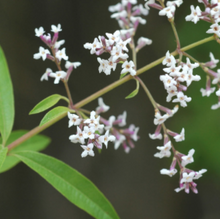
{"points": [[218, 92], [106, 138], [46, 74], [128, 67], [215, 106], [123, 44], [102, 107], [74, 64], [122, 119], [188, 158], [88, 132], [58, 44], [73, 119], [78, 137], [169, 59], [154, 136], [88, 150], [195, 14], [168, 11], [118, 141], [148, 3], [42, 53], [168, 81], [139, 19], [104, 66], [217, 78], [181, 136], [160, 119], [113, 38], [110, 122], [58, 75], [61, 54], [114, 8], [191, 77], [215, 29], [117, 53], [208, 91], [182, 99], [56, 29], [143, 41], [213, 60], [186, 178], [164, 150], [168, 172], [39, 32], [199, 174], [177, 3]]}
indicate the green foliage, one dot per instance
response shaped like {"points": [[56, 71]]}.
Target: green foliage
{"points": [[54, 114], [70, 183], [6, 99], [36, 143], [46, 103], [3, 154], [135, 92]]}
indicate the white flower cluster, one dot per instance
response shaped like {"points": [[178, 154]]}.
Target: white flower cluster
{"points": [[186, 175], [168, 11], [175, 75], [57, 54], [215, 80], [116, 44], [89, 131], [117, 49], [210, 14]]}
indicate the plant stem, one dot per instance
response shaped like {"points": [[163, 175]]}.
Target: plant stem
{"points": [[33, 132], [99, 93]]}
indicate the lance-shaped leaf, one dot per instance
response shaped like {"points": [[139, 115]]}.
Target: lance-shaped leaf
{"points": [[6, 99], [54, 114], [70, 183], [47, 103], [35, 143], [135, 92], [3, 154], [123, 75]]}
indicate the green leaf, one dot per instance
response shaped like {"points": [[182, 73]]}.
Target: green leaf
{"points": [[46, 103], [36, 143], [6, 99], [3, 154], [135, 92], [123, 75], [70, 183], [54, 114]]}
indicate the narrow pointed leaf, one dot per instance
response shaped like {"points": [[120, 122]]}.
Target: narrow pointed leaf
{"points": [[123, 75], [54, 114], [70, 183], [46, 103], [6, 99], [36, 143], [3, 154], [135, 92]]}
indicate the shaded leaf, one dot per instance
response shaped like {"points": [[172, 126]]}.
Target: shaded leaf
{"points": [[46, 103], [6, 99], [135, 92], [54, 114], [70, 183], [36, 143]]}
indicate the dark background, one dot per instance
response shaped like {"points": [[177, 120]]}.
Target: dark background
{"points": [[132, 182]]}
